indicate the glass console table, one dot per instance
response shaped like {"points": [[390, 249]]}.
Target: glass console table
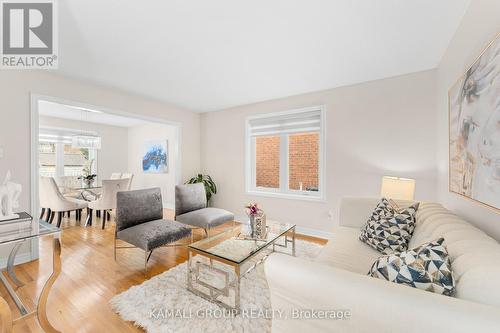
{"points": [[16, 233]]}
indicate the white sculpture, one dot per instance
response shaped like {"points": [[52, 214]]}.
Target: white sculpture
{"points": [[9, 198]]}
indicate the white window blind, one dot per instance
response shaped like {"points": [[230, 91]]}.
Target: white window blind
{"points": [[285, 154], [300, 122]]}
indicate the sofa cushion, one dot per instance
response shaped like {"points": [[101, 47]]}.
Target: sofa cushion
{"points": [[345, 251], [390, 233], [426, 267], [153, 234], [475, 257], [206, 217], [473, 254]]}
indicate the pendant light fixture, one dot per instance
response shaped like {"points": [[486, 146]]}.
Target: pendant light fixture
{"points": [[85, 140]]}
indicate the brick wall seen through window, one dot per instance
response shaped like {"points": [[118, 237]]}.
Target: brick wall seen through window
{"points": [[303, 160], [267, 161]]}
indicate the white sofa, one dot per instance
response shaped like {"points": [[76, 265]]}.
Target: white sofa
{"points": [[337, 280]]}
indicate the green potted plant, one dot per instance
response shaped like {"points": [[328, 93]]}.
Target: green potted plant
{"points": [[87, 176], [207, 181]]}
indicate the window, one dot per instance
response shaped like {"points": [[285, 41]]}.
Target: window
{"points": [[267, 161], [284, 154], [75, 160], [57, 156], [47, 159]]}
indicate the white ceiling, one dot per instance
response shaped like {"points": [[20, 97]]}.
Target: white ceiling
{"points": [[210, 55], [56, 110]]}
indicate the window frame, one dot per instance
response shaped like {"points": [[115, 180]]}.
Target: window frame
{"points": [[62, 136], [283, 191]]}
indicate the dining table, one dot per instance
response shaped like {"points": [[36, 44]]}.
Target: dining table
{"points": [[87, 192]]}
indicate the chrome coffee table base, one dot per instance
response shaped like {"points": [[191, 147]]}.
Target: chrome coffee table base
{"points": [[231, 281]]}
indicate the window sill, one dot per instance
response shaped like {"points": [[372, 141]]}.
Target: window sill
{"points": [[291, 196]]}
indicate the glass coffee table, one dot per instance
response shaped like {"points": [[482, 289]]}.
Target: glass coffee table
{"points": [[232, 251], [16, 233]]}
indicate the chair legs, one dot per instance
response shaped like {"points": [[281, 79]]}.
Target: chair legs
{"points": [[88, 222], [49, 214], [60, 216], [146, 259], [104, 217], [103, 214], [78, 214], [51, 218]]}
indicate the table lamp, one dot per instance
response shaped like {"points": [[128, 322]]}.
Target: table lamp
{"points": [[397, 188]]}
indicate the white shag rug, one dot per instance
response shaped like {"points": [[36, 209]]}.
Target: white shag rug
{"points": [[163, 304]]}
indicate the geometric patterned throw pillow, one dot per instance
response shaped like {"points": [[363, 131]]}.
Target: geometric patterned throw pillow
{"points": [[388, 233], [383, 209], [426, 267]]}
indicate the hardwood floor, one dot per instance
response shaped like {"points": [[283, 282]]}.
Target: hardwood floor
{"points": [[90, 277]]}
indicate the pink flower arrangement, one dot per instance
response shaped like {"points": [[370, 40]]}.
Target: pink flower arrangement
{"points": [[252, 209]]}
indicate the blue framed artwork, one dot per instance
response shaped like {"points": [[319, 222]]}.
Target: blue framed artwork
{"points": [[155, 158]]}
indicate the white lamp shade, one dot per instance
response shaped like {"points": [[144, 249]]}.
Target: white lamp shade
{"points": [[397, 188]]}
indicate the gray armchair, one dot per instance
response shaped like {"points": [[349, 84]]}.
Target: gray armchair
{"points": [[191, 208], [139, 222]]}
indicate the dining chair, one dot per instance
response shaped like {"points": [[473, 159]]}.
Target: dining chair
{"points": [[44, 201], [130, 177], [51, 196], [67, 184], [107, 200]]}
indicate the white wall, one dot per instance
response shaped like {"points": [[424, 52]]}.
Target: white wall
{"points": [[137, 136], [385, 127], [15, 89], [15, 104], [113, 155], [479, 26], [122, 151]]}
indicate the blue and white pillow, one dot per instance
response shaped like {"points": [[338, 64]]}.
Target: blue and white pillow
{"points": [[427, 267], [389, 230]]}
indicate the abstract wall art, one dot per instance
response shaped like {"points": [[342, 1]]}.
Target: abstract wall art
{"points": [[155, 158], [474, 116]]}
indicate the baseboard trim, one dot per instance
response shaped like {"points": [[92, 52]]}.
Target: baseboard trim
{"points": [[314, 232], [21, 258]]}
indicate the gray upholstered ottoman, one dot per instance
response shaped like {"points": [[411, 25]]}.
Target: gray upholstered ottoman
{"points": [[139, 221]]}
